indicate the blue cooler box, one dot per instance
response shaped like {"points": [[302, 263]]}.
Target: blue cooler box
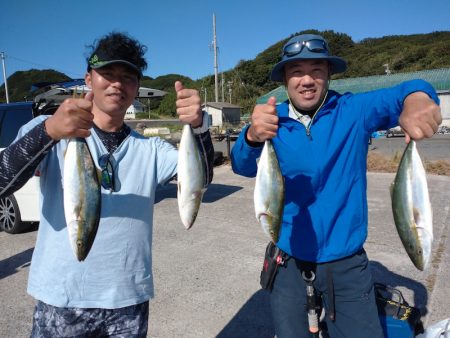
{"points": [[397, 317]]}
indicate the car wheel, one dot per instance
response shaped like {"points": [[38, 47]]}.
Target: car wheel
{"points": [[10, 220]]}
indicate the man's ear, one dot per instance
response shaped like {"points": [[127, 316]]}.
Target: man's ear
{"points": [[329, 75], [88, 79]]}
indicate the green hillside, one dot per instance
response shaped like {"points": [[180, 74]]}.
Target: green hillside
{"points": [[249, 79], [19, 83]]}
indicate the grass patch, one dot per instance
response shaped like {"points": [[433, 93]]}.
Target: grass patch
{"points": [[380, 163]]}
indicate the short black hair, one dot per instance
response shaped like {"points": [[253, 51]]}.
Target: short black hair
{"points": [[118, 46]]}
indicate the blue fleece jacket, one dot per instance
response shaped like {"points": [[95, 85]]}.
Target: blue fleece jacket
{"points": [[325, 211]]}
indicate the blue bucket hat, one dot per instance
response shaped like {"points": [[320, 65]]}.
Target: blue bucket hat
{"points": [[304, 47]]}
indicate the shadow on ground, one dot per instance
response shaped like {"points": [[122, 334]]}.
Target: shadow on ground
{"points": [[253, 320], [214, 192], [11, 265]]}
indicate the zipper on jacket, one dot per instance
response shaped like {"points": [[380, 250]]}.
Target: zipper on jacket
{"points": [[308, 128]]}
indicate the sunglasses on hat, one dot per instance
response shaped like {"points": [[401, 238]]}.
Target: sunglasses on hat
{"points": [[314, 45]]}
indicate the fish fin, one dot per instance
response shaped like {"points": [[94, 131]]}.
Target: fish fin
{"points": [[417, 216], [391, 188], [197, 194], [266, 220]]}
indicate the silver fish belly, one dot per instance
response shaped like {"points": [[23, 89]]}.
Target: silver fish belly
{"points": [[82, 197], [190, 178], [412, 208], [269, 192]]}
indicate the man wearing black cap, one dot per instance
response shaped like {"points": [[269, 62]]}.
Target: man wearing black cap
{"points": [[107, 294], [320, 138]]}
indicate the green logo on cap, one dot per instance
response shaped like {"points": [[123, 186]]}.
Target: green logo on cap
{"points": [[95, 62]]}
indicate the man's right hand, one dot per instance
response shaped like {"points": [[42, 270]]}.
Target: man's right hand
{"points": [[264, 122], [73, 118]]}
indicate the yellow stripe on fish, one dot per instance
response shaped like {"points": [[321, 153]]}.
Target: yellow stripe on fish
{"points": [[412, 208], [82, 197], [190, 177], [269, 192]]}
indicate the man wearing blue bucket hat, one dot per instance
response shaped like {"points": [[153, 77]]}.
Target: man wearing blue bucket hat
{"points": [[321, 141]]}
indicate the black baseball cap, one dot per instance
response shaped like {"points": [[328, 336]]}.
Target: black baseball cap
{"points": [[118, 48], [101, 59]]}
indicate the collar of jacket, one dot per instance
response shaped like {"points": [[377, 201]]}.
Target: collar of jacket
{"points": [[331, 101]]}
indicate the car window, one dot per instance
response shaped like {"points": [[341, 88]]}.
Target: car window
{"points": [[11, 119]]}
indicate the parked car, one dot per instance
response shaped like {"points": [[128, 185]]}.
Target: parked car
{"points": [[444, 130], [396, 131], [19, 210]]}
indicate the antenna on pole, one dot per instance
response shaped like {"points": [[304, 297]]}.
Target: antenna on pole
{"points": [[4, 76], [216, 80]]}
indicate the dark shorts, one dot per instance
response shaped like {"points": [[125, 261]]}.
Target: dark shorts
{"points": [[50, 322], [353, 299]]}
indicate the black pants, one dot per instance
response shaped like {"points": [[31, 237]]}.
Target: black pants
{"points": [[356, 314]]}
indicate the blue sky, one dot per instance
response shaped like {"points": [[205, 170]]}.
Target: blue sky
{"points": [[51, 34]]}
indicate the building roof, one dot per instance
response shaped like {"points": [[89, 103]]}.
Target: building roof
{"points": [[439, 79], [221, 105], [59, 91]]}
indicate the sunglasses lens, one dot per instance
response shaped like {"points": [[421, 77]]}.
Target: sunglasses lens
{"points": [[316, 45], [293, 49], [107, 172]]}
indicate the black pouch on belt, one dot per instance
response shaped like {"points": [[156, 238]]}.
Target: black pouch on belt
{"points": [[273, 258]]}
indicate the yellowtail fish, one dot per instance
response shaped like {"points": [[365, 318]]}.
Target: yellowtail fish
{"points": [[412, 208], [190, 177], [269, 192], [82, 197]]}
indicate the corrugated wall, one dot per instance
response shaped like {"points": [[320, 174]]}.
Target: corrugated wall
{"points": [[439, 78]]}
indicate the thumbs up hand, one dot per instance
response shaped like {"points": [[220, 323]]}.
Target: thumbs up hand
{"points": [[73, 118], [188, 105], [264, 122]]}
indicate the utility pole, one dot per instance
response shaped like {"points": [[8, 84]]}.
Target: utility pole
{"points": [[149, 109], [4, 76], [223, 100], [203, 89], [216, 80]]}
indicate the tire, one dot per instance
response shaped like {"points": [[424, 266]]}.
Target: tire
{"points": [[10, 220]]}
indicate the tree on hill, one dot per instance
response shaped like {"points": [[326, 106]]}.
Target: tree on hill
{"points": [[249, 79], [166, 82], [165, 106], [19, 84]]}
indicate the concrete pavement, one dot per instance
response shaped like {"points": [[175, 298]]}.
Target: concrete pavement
{"points": [[207, 278]]}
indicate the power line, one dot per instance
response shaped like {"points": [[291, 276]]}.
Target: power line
{"points": [[43, 66]]}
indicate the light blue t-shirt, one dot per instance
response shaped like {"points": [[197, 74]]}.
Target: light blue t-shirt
{"points": [[118, 270]]}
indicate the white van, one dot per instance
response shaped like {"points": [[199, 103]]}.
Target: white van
{"points": [[19, 210]]}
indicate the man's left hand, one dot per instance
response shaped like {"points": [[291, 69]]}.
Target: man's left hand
{"points": [[188, 105], [421, 116]]}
